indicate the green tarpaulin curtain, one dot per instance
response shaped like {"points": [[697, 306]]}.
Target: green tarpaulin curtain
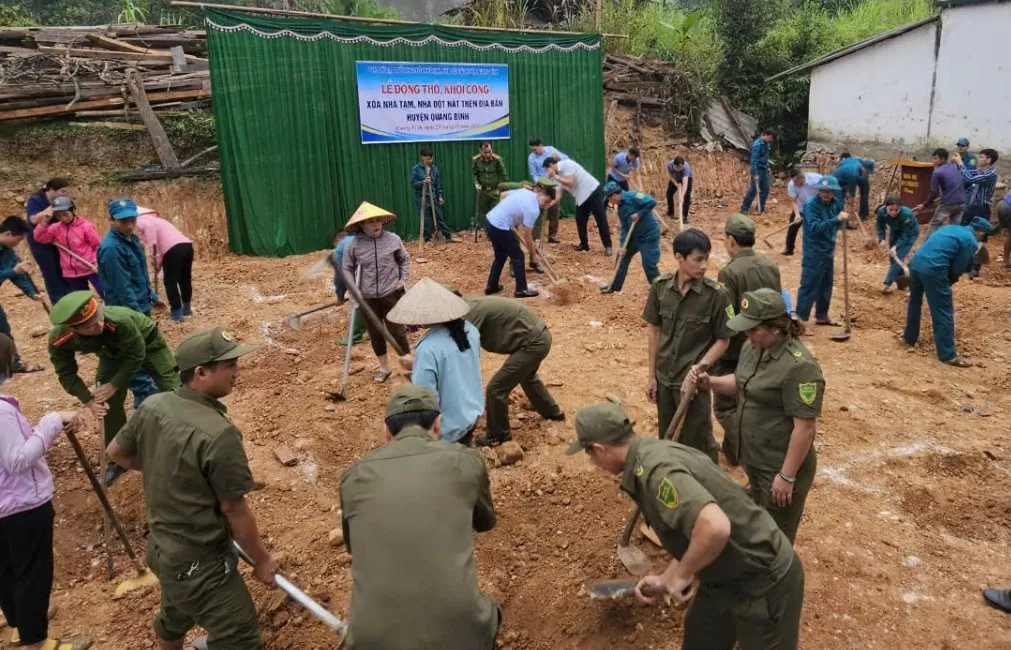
{"points": [[286, 106]]}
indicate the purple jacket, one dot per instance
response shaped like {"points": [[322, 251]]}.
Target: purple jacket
{"points": [[947, 182], [25, 480]]}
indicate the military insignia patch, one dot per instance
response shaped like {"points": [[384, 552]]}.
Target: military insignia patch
{"points": [[639, 470], [667, 494], [798, 353], [808, 392], [730, 311], [226, 336], [744, 303], [640, 195]]}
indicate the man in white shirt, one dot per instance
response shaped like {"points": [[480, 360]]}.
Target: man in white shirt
{"points": [[516, 209], [586, 190], [802, 186]]}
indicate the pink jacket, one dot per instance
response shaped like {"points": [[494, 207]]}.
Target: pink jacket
{"points": [[25, 480], [80, 236], [159, 234]]}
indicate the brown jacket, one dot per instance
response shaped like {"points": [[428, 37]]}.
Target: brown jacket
{"points": [[385, 263]]}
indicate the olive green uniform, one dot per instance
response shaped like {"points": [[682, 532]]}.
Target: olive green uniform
{"points": [[409, 511], [487, 173], [689, 326], [747, 271], [753, 592], [192, 459], [510, 327], [130, 341], [774, 387]]}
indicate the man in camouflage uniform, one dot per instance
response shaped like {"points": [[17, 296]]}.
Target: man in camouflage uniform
{"points": [[488, 171]]}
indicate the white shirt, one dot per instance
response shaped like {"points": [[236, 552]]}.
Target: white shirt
{"points": [[804, 193], [519, 207], [585, 183]]}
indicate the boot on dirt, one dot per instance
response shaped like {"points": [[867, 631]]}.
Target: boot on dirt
{"points": [[491, 441], [177, 315], [187, 311]]}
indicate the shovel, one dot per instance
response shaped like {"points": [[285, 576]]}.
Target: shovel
{"points": [[536, 255], [299, 596], [420, 257], [295, 318], [369, 314], [843, 336], [342, 395], [144, 577], [45, 302], [903, 280], [91, 267], [614, 589], [621, 252], [110, 567], [437, 235], [776, 232], [477, 209]]}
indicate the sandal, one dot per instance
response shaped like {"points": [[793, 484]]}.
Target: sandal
{"points": [[959, 362], [382, 376], [76, 642], [829, 323], [29, 368], [199, 643]]}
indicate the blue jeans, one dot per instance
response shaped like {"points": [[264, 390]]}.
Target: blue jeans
{"points": [[5, 327], [815, 288], [506, 246], [48, 259], [649, 249], [942, 312], [762, 190]]}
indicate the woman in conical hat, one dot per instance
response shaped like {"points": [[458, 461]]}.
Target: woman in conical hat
{"points": [[447, 359], [386, 270]]}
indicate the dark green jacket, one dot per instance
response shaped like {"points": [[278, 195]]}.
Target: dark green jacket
{"points": [[747, 271]]}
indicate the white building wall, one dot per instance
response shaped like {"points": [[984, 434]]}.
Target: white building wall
{"points": [[878, 94], [972, 95]]}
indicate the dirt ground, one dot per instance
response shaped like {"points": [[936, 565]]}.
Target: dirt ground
{"points": [[907, 520]]}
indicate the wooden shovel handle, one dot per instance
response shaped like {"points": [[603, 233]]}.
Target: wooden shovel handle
{"points": [[370, 315], [91, 267]]}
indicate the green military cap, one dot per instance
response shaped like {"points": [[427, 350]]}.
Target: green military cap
{"points": [[209, 346], [757, 306], [74, 308], [545, 181], [740, 225], [605, 422], [410, 399]]}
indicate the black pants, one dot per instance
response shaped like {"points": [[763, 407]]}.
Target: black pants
{"points": [[177, 263], [622, 184], [796, 222], [595, 205], [26, 571], [381, 307], [506, 246], [686, 198]]}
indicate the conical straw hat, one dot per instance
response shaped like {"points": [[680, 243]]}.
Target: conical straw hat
{"points": [[367, 212], [428, 303]]}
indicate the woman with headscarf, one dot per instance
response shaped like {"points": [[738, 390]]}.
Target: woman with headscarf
{"points": [[447, 359], [38, 210]]}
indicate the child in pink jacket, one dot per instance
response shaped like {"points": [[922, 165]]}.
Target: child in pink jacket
{"points": [[173, 253], [77, 235]]}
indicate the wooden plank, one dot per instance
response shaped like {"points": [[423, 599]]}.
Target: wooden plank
{"points": [[100, 103], [158, 136], [121, 46], [123, 126], [132, 57]]}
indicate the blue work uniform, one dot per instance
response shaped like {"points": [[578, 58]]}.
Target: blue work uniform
{"points": [[851, 174], [46, 255], [122, 269], [935, 266], [903, 231], [422, 201], [8, 260], [759, 168], [645, 240], [817, 267], [341, 290]]}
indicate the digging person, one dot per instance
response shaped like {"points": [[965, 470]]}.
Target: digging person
{"points": [[410, 509], [779, 388], [195, 504], [687, 314], [635, 210], [587, 192], [747, 270], [823, 216], [733, 564], [503, 189], [903, 230], [125, 342], [539, 152], [510, 327], [803, 187], [517, 209]]}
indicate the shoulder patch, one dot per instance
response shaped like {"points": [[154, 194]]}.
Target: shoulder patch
{"points": [[797, 353], [639, 471], [730, 311], [715, 284], [667, 494], [640, 195], [62, 338], [476, 156], [808, 392]]}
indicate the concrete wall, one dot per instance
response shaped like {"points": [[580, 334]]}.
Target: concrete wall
{"points": [[972, 95], [878, 94]]}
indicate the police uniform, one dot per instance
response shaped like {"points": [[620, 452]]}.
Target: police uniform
{"points": [[753, 592], [129, 341], [487, 173], [646, 236], [689, 326], [410, 509], [747, 271], [192, 459], [510, 327], [773, 387]]}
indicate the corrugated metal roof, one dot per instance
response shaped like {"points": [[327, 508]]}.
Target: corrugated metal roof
{"points": [[735, 127]]}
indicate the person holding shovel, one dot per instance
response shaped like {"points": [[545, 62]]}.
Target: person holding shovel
{"points": [[635, 213], [125, 342], [173, 255], [428, 199], [358, 327], [903, 230], [853, 173], [823, 217], [679, 177], [938, 264], [687, 315], [624, 166], [386, 270], [195, 503], [488, 171], [746, 271], [760, 150], [730, 561], [803, 187], [13, 231], [946, 184], [503, 188], [78, 242], [26, 517], [517, 209], [589, 197], [539, 152], [779, 388]]}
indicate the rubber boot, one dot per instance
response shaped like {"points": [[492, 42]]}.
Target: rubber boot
{"points": [[186, 309], [177, 315], [359, 331]]}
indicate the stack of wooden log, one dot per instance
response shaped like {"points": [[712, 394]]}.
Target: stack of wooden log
{"points": [[83, 71]]}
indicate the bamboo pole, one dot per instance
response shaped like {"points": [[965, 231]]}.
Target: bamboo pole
{"points": [[381, 21], [600, 14]]}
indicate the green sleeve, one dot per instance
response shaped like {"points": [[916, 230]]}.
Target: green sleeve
{"points": [[226, 466], [484, 509], [651, 312], [723, 311], [473, 172], [131, 342], [729, 280], [679, 497], [127, 436], [65, 362], [803, 391]]}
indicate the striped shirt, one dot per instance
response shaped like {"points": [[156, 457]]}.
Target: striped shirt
{"points": [[979, 185]]}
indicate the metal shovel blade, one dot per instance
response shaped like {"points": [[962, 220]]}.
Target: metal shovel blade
{"points": [[611, 589], [295, 322], [842, 337], [635, 560], [902, 282]]}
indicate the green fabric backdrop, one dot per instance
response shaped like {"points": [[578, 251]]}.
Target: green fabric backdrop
{"points": [[286, 107]]}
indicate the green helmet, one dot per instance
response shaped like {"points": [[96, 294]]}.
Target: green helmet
{"points": [[610, 187]]}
